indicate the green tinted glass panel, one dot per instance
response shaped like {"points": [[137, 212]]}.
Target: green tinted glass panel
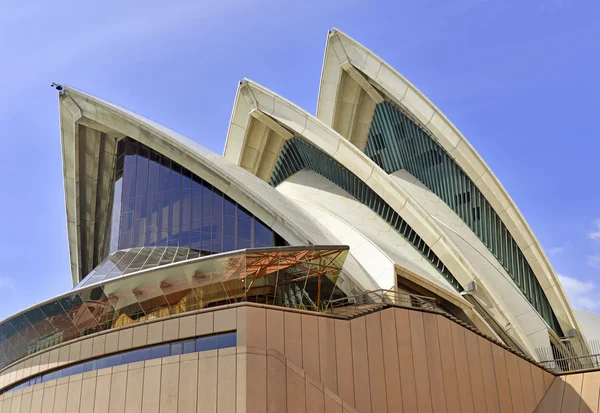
{"points": [[396, 142], [297, 154]]}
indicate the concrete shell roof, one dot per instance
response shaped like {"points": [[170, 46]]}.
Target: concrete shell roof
{"points": [[342, 49], [252, 98], [79, 111]]}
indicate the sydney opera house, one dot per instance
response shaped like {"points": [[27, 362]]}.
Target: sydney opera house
{"points": [[365, 259]]}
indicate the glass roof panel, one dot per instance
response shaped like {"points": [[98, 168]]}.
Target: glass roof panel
{"points": [[300, 277]]}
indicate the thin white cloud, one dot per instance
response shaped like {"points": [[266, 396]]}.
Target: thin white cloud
{"points": [[594, 260], [584, 295], [559, 250], [595, 233]]}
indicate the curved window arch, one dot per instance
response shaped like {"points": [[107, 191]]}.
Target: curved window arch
{"points": [[158, 203], [396, 142]]}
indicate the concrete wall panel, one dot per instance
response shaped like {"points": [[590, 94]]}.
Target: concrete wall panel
{"points": [[527, 385], [489, 376], [151, 389], [417, 333], [225, 320], [102, 392], [405, 359], [462, 368], [590, 390], [125, 339], [395, 360], [205, 323], [188, 383], [572, 392], [48, 399], [207, 385], [52, 358], [296, 393], [256, 327], [345, 367], [448, 365], [331, 406], [327, 353], [5, 405], [539, 387], [314, 399], [548, 378], [552, 401], [99, 342], [501, 371], [434, 363], [44, 357], [360, 363], [169, 384], [26, 401], [133, 393], [171, 330], [63, 358], [73, 396], [293, 337], [376, 363], [140, 336], [86, 350], [256, 383], [276, 385], [310, 346], [226, 386], [475, 372], [390, 359], [514, 382], [112, 342], [187, 326], [118, 389], [275, 331], [15, 405], [155, 333], [88, 394]]}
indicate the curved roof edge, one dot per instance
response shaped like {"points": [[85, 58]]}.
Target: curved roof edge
{"points": [[80, 112], [341, 48], [252, 98]]}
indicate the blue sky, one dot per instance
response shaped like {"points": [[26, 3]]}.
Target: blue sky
{"points": [[518, 78]]}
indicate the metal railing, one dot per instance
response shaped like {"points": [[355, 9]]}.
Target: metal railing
{"points": [[561, 365], [382, 297], [572, 355]]}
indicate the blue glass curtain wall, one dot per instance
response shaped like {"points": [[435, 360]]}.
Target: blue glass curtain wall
{"points": [[159, 203], [396, 142]]}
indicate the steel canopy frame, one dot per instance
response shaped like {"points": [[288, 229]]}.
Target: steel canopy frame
{"points": [[242, 275]]}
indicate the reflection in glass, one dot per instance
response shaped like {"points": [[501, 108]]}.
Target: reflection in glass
{"points": [[297, 277], [159, 203]]}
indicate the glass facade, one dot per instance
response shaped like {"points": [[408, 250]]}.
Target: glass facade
{"points": [[298, 277], [204, 343], [396, 142], [158, 203]]}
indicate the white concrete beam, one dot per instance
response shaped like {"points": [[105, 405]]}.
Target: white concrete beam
{"points": [[362, 82], [271, 124]]}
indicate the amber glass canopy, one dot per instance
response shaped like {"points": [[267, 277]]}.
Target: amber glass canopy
{"points": [[299, 277]]}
